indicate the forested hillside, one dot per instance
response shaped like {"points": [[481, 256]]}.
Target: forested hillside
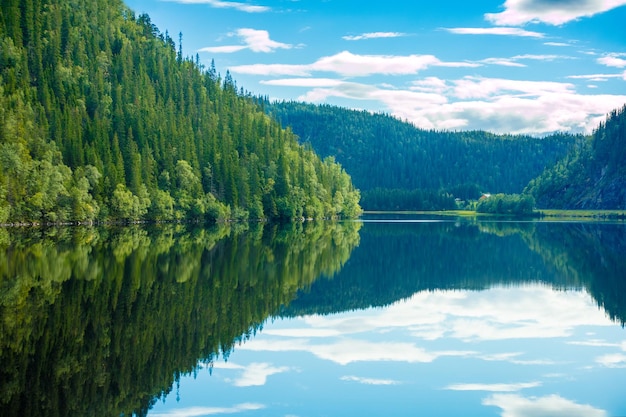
{"points": [[393, 160], [592, 175], [103, 118]]}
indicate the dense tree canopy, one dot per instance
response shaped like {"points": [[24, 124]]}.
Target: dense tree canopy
{"points": [[395, 164], [592, 175], [102, 118]]}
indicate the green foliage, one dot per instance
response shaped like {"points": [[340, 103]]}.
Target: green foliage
{"points": [[86, 83], [509, 204], [400, 199], [389, 158], [590, 176]]}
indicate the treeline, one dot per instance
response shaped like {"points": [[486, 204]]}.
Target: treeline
{"points": [[103, 118], [592, 175], [400, 199], [508, 204], [383, 153]]}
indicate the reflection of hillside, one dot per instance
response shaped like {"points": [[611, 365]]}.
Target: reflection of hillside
{"points": [[101, 322], [593, 254], [396, 260]]}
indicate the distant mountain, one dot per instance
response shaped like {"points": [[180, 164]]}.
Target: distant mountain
{"points": [[382, 153], [103, 118], [592, 175]]}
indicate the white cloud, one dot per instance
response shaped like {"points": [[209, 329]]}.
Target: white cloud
{"points": [[254, 374], [369, 381], [219, 4], [373, 35], [348, 64], [478, 87], [209, 411], [304, 82], [514, 405], [346, 351], [513, 61], [506, 62], [493, 387], [520, 12], [598, 77], [557, 44], [498, 314], [501, 31], [254, 40], [612, 60], [612, 360], [493, 104]]}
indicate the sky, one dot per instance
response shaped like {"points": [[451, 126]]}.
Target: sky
{"points": [[506, 66]]}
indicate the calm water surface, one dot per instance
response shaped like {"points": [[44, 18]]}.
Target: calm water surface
{"points": [[385, 316]]}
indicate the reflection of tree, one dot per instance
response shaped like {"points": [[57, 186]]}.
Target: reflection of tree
{"points": [[590, 254], [394, 261], [100, 322]]}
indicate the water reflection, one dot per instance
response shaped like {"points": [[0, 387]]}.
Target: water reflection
{"points": [[445, 317], [403, 324], [102, 321]]}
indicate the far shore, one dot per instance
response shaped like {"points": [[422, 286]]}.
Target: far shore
{"points": [[540, 214]]}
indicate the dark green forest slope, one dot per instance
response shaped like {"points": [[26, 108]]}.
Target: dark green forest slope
{"points": [[388, 158], [103, 118], [592, 175]]}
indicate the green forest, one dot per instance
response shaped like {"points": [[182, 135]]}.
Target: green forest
{"points": [[592, 175], [399, 166], [102, 118]]}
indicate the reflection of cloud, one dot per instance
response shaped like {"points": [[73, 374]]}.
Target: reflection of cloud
{"points": [[209, 411], [254, 374], [498, 314], [369, 381], [612, 360], [493, 387], [512, 358], [513, 405], [347, 351], [219, 4]]}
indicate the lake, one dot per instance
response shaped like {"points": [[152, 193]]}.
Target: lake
{"points": [[388, 315]]}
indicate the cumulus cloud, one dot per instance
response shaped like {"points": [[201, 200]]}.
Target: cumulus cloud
{"points": [[501, 31], [613, 60], [373, 35], [253, 39], [514, 405], [219, 4], [353, 65], [520, 12], [494, 104]]}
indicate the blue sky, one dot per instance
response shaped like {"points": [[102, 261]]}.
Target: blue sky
{"points": [[515, 66]]}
